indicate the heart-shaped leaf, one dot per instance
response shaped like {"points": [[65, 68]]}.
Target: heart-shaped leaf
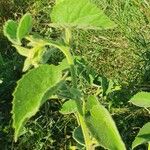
{"points": [[102, 126], [80, 14], [143, 136], [10, 31], [32, 90], [24, 27], [141, 99]]}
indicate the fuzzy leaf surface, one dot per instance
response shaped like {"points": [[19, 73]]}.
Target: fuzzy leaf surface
{"points": [[141, 99], [80, 14], [143, 136], [10, 31], [31, 92], [24, 27], [103, 128]]}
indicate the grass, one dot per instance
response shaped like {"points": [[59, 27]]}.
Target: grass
{"points": [[117, 53], [121, 54]]}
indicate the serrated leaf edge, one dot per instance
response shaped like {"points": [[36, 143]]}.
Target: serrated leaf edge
{"points": [[29, 114]]}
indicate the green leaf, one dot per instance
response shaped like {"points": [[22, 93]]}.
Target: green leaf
{"points": [[141, 99], [27, 64], [80, 14], [143, 136], [58, 1], [24, 27], [22, 51], [78, 136], [31, 91], [10, 31], [64, 64], [69, 107], [92, 101], [102, 127]]}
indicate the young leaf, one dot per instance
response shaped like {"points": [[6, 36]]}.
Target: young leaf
{"points": [[78, 136], [27, 64], [64, 64], [31, 92], [22, 51], [102, 127], [24, 27], [69, 107], [143, 136], [10, 31], [80, 14], [141, 99]]}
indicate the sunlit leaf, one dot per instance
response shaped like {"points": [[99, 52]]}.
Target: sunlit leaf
{"points": [[10, 31], [141, 99], [143, 136], [31, 92], [27, 64], [80, 14], [58, 1], [22, 51], [69, 107], [24, 27], [102, 127]]}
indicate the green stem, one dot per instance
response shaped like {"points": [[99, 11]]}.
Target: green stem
{"points": [[149, 146], [80, 114], [87, 138], [73, 75], [70, 60]]}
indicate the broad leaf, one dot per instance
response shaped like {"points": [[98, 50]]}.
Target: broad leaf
{"points": [[141, 99], [10, 31], [69, 107], [103, 128], [78, 136], [58, 1], [92, 101], [31, 91], [80, 14], [24, 27], [143, 136]]}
